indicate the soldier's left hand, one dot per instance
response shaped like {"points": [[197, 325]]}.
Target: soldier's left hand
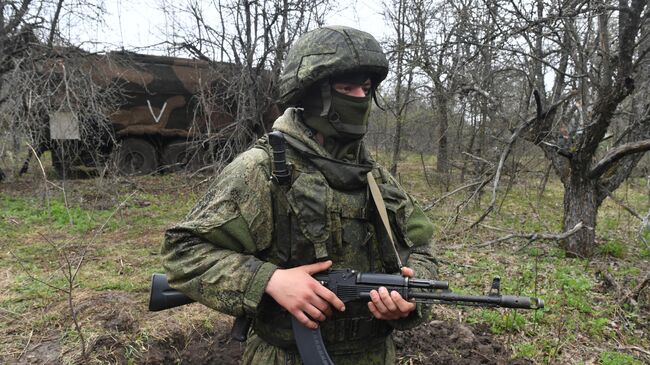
{"points": [[390, 306]]}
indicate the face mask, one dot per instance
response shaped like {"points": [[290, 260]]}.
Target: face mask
{"points": [[343, 121], [347, 119], [349, 115]]}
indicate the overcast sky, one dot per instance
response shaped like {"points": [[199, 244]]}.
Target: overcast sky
{"points": [[137, 24]]}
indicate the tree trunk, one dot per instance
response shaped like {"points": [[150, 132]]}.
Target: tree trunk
{"points": [[401, 97], [580, 205], [443, 148], [396, 145]]}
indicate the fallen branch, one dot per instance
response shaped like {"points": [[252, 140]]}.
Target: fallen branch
{"points": [[642, 285], [532, 237], [435, 202], [610, 283], [492, 228], [635, 348], [29, 340], [625, 295]]}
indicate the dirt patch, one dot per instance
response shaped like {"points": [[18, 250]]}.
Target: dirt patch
{"points": [[445, 342], [438, 342], [46, 351], [212, 347]]}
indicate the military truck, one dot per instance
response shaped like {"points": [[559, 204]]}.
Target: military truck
{"points": [[158, 120]]}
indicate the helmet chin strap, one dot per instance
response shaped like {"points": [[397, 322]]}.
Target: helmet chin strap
{"points": [[326, 97], [374, 98]]}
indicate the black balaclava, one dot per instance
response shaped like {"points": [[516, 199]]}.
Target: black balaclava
{"points": [[340, 118]]}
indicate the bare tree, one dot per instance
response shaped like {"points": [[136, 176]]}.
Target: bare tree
{"points": [[254, 36], [599, 51], [485, 58], [42, 76], [397, 15], [450, 51]]}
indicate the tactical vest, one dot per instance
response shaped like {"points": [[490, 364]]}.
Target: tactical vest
{"points": [[314, 222]]}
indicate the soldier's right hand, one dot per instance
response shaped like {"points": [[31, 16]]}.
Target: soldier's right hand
{"points": [[303, 296]]}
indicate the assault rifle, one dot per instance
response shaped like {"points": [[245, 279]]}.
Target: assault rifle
{"points": [[350, 285]]}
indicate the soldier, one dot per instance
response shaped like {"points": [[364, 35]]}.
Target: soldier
{"points": [[250, 246]]}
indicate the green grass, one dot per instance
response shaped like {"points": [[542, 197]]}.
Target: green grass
{"points": [[613, 248], [616, 358], [501, 322], [36, 232], [23, 214]]}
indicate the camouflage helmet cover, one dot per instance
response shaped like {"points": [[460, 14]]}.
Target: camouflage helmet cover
{"points": [[329, 51]]}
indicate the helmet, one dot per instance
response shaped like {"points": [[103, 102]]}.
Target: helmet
{"points": [[329, 51]]}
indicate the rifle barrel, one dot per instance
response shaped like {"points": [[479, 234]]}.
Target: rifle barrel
{"points": [[506, 301]]}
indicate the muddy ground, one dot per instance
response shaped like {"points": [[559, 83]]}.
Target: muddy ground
{"points": [[437, 342]]}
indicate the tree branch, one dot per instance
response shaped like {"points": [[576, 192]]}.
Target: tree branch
{"points": [[539, 116], [621, 203], [536, 236], [17, 18], [616, 154], [467, 186]]}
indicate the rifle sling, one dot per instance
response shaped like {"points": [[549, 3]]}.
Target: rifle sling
{"points": [[381, 208]]}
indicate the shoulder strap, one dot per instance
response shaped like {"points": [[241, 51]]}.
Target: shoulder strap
{"points": [[381, 208]]}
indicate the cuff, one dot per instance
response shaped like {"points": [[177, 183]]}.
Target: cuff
{"points": [[255, 290]]}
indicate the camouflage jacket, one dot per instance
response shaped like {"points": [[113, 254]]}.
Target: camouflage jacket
{"points": [[225, 251]]}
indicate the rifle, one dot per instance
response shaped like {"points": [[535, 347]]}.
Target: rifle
{"points": [[350, 285]]}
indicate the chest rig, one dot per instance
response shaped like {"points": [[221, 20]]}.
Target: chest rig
{"points": [[313, 222]]}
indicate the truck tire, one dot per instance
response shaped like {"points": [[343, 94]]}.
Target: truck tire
{"points": [[175, 156], [136, 156]]}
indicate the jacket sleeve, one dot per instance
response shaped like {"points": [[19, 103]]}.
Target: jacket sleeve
{"points": [[420, 231], [210, 255]]}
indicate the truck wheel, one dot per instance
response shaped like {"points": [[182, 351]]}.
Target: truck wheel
{"points": [[175, 156], [135, 156]]}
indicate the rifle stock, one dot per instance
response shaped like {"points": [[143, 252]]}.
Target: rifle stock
{"points": [[162, 296]]}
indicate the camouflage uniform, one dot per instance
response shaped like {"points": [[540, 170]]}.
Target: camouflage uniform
{"points": [[225, 251]]}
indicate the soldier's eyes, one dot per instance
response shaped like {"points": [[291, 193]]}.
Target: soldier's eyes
{"points": [[352, 89]]}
